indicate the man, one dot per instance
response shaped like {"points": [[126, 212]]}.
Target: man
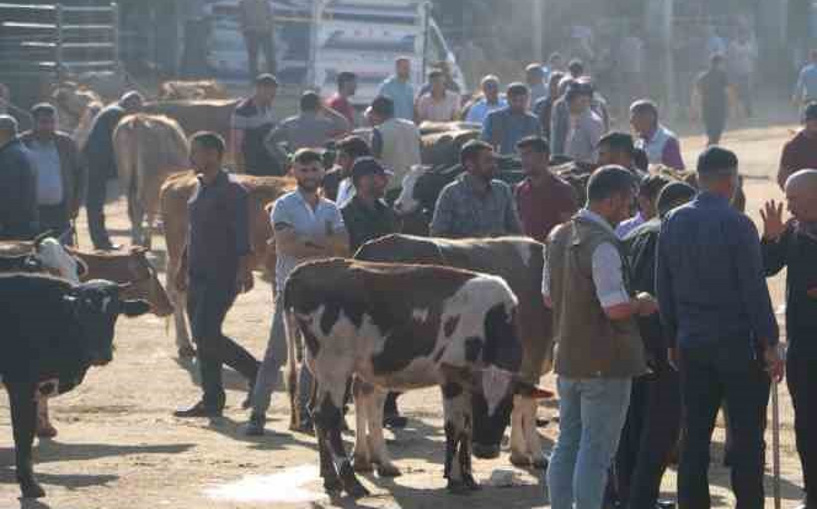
{"points": [[718, 317], [631, 61], [399, 89], [101, 160], [648, 190], [713, 100], [215, 269], [793, 245], [490, 101], [556, 63], [476, 205], [61, 176], [586, 127], [439, 104], [256, 25], [742, 56], [505, 127], [660, 144], [586, 283], [560, 116], [544, 106], [395, 141], [806, 89], [315, 126], [251, 122], [307, 227], [18, 185], [337, 184], [544, 200], [535, 80], [800, 152], [651, 431], [366, 216], [347, 86], [617, 149]]}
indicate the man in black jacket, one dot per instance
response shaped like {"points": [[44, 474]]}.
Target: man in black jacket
{"points": [[18, 185]]}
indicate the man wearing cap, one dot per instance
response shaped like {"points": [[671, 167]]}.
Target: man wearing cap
{"points": [[61, 174], [337, 184], [18, 185], [660, 144], [505, 127], [252, 120], [99, 154], [652, 427], [586, 127], [717, 315], [314, 127], [366, 216], [490, 101], [800, 152]]}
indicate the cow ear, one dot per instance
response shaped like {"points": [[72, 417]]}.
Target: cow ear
{"points": [[134, 308]]}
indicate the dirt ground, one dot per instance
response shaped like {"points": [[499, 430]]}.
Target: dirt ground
{"points": [[119, 446]]}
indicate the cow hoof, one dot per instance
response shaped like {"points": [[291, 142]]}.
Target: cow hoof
{"points": [[186, 352], [520, 460], [32, 489], [350, 482], [48, 431], [362, 466], [485, 452], [541, 463], [388, 470], [332, 487]]}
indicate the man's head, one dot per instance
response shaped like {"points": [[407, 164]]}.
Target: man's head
{"points": [[437, 80], [576, 68], [534, 151], [518, 94], [347, 83], [616, 148], [534, 74], [349, 150], [718, 171], [801, 195], [610, 193], [206, 151], [132, 101], [310, 102], [556, 62], [402, 67], [674, 195], [308, 170], [382, 109], [579, 97], [643, 117], [266, 86], [477, 157], [555, 79], [8, 129], [44, 116], [490, 88], [716, 61], [648, 191], [810, 119], [370, 178]]}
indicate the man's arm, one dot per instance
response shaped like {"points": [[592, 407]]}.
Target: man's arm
{"points": [[608, 277], [274, 139], [243, 243], [513, 225], [377, 143], [487, 134], [442, 223], [672, 154], [787, 165], [340, 123], [752, 283], [664, 288]]}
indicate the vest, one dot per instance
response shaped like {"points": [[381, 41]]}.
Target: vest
{"points": [[401, 148], [655, 147], [589, 345]]}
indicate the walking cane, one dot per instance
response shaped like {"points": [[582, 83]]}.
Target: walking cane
{"points": [[776, 445]]}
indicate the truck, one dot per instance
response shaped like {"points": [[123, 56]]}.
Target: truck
{"points": [[317, 39]]}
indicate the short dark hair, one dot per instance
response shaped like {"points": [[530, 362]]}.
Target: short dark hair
{"points": [[43, 110], [345, 77], [310, 101], [555, 78], [383, 106], [266, 80], [471, 150], [609, 181], [578, 89], [576, 67], [717, 161], [651, 185], [209, 140], [516, 89], [672, 195], [618, 142], [307, 156], [355, 146], [436, 73], [537, 143]]}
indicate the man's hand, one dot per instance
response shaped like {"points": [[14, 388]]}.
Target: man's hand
{"points": [[773, 225], [245, 281], [646, 304], [774, 364], [673, 357]]}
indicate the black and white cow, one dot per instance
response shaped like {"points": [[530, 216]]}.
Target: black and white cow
{"points": [[52, 332], [399, 327]]}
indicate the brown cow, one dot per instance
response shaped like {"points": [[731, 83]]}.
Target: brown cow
{"points": [[180, 90], [174, 196], [194, 116]]}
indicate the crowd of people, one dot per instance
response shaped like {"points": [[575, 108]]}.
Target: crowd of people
{"points": [[660, 306]]}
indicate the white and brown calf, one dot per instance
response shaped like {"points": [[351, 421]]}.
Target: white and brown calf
{"points": [[399, 327]]}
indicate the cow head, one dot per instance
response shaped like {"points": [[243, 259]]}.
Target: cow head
{"points": [[96, 305], [406, 203], [145, 283], [56, 260]]}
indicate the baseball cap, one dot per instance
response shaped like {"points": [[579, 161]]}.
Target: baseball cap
{"points": [[366, 166]]}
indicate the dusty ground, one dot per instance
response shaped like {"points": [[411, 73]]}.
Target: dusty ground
{"points": [[119, 446]]}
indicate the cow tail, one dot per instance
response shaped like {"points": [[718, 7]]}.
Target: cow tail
{"points": [[291, 372]]}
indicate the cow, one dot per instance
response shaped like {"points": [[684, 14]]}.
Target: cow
{"points": [[194, 116], [72, 102], [53, 332], [43, 254], [174, 195], [519, 261], [398, 327], [178, 90], [148, 149], [443, 148]]}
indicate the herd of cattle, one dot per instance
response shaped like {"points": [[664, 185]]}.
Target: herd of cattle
{"points": [[474, 323]]}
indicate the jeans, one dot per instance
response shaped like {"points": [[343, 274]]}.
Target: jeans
{"points": [[802, 382], [207, 306], [591, 415], [264, 42], [95, 206], [709, 378]]}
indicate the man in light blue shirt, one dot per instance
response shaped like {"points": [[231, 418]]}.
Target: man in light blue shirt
{"points": [[399, 89], [806, 89], [490, 101], [503, 128]]}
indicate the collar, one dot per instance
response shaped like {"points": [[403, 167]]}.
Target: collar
{"points": [[650, 135], [712, 198], [306, 204], [221, 178], [589, 215]]}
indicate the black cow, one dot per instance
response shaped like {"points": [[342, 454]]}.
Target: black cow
{"points": [[53, 332]]}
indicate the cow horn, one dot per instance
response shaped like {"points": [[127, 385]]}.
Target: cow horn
{"points": [[41, 237]]}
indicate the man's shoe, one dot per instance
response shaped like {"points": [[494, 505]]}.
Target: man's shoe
{"points": [[200, 409], [247, 403], [664, 504], [255, 426]]}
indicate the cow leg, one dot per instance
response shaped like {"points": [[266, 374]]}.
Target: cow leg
{"points": [[331, 481], [147, 234], [377, 443], [44, 427], [526, 444], [458, 418], [179, 300], [24, 422], [362, 455]]}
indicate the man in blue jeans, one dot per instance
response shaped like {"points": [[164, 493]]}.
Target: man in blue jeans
{"points": [[599, 352]]}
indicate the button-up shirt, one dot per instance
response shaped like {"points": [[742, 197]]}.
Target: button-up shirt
{"points": [[366, 222], [402, 93], [218, 232], [711, 285], [480, 110], [806, 89], [466, 209], [504, 128]]}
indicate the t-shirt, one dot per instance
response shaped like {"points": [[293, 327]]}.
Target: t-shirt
{"points": [[402, 93], [343, 106], [430, 109], [46, 161]]}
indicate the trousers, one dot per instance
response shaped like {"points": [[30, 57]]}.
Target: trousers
{"points": [[802, 381]]}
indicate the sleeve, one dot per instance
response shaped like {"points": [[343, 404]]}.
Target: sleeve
{"points": [[752, 282], [664, 289], [787, 164], [608, 276], [672, 155], [546, 276], [377, 143], [443, 219], [774, 254], [338, 224], [487, 134], [472, 115], [242, 222], [513, 225], [281, 215], [798, 88]]}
